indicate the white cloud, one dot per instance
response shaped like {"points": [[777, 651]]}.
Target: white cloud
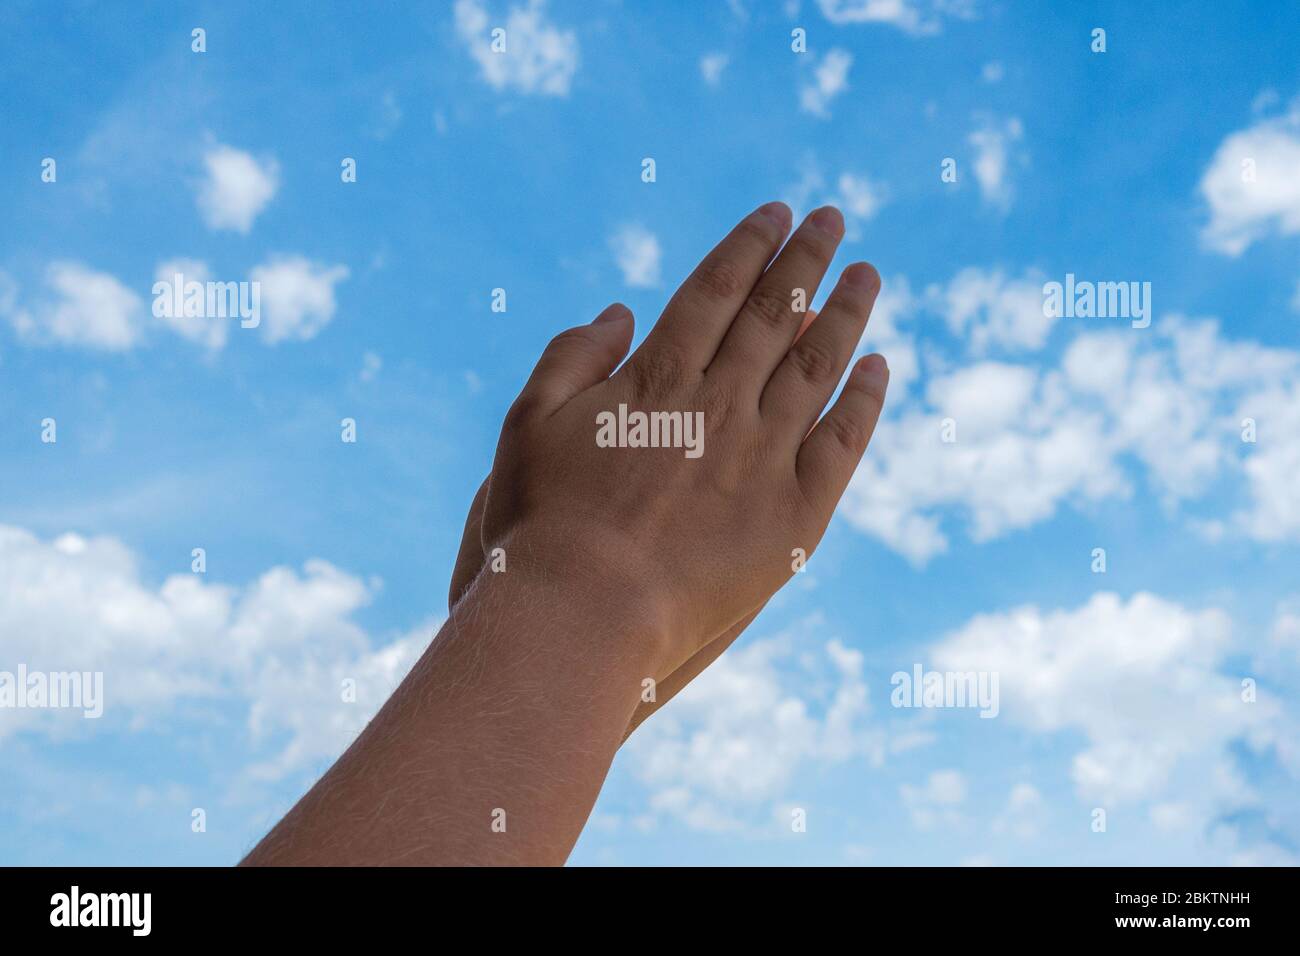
{"points": [[734, 739], [207, 331], [538, 57], [912, 16], [93, 309], [989, 395], [1024, 814], [1019, 450], [894, 306], [371, 364], [278, 648], [1286, 627], [993, 143], [1177, 401], [1265, 100], [711, 67], [1272, 467], [857, 195], [938, 802], [1169, 403], [1139, 680], [1260, 854], [830, 78], [85, 308], [1173, 816], [992, 72], [1245, 209], [995, 310], [297, 297], [637, 253], [237, 188], [861, 197]]}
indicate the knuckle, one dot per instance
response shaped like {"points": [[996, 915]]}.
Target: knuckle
{"points": [[718, 403], [755, 234], [719, 279], [773, 309], [580, 344], [522, 410], [576, 337], [813, 361], [846, 434], [875, 392], [657, 371], [805, 246]]}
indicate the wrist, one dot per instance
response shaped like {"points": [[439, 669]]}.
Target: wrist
{"points": [[582, 604]]}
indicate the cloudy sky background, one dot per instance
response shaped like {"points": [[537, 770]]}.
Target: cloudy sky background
{"points": [[328, 561]]}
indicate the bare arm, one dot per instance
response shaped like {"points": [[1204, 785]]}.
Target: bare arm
{"points": [[494, 747], [627, 560]]}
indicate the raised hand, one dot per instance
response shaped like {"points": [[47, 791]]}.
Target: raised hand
{"points": [[693, 544]]}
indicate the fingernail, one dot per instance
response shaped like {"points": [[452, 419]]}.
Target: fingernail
{"points": [[872, 368], [829, 220], [615, 313], [778, 212], [862, 275]]}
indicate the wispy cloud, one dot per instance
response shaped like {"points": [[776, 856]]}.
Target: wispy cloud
{"points": [[637, 253], [996, 146], [921, 17], [236, 188], [297, 297], [279, 648], [81, 307], [830, 78], [711, 67], [733, 741], [1251, 185], [531, 56]]}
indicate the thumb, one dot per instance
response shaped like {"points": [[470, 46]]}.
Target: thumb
{"points": [[577, 359]]}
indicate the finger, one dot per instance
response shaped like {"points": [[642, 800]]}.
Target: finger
{"points": [[667, 689], [832, 451], [577, 359], [469, 559], [767, 323], [701, 311], [806, 378]]}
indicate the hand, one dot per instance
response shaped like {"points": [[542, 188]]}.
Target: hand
{"points": [[471, 559], [694, 544]]}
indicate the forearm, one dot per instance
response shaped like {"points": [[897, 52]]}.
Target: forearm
{"points": [[494, 747]]}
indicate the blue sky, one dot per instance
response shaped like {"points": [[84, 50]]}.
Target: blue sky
{"points": [[1119, 691]]}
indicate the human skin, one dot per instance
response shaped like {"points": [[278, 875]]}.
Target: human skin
{"points": [[471, 559], [622, 564]]}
